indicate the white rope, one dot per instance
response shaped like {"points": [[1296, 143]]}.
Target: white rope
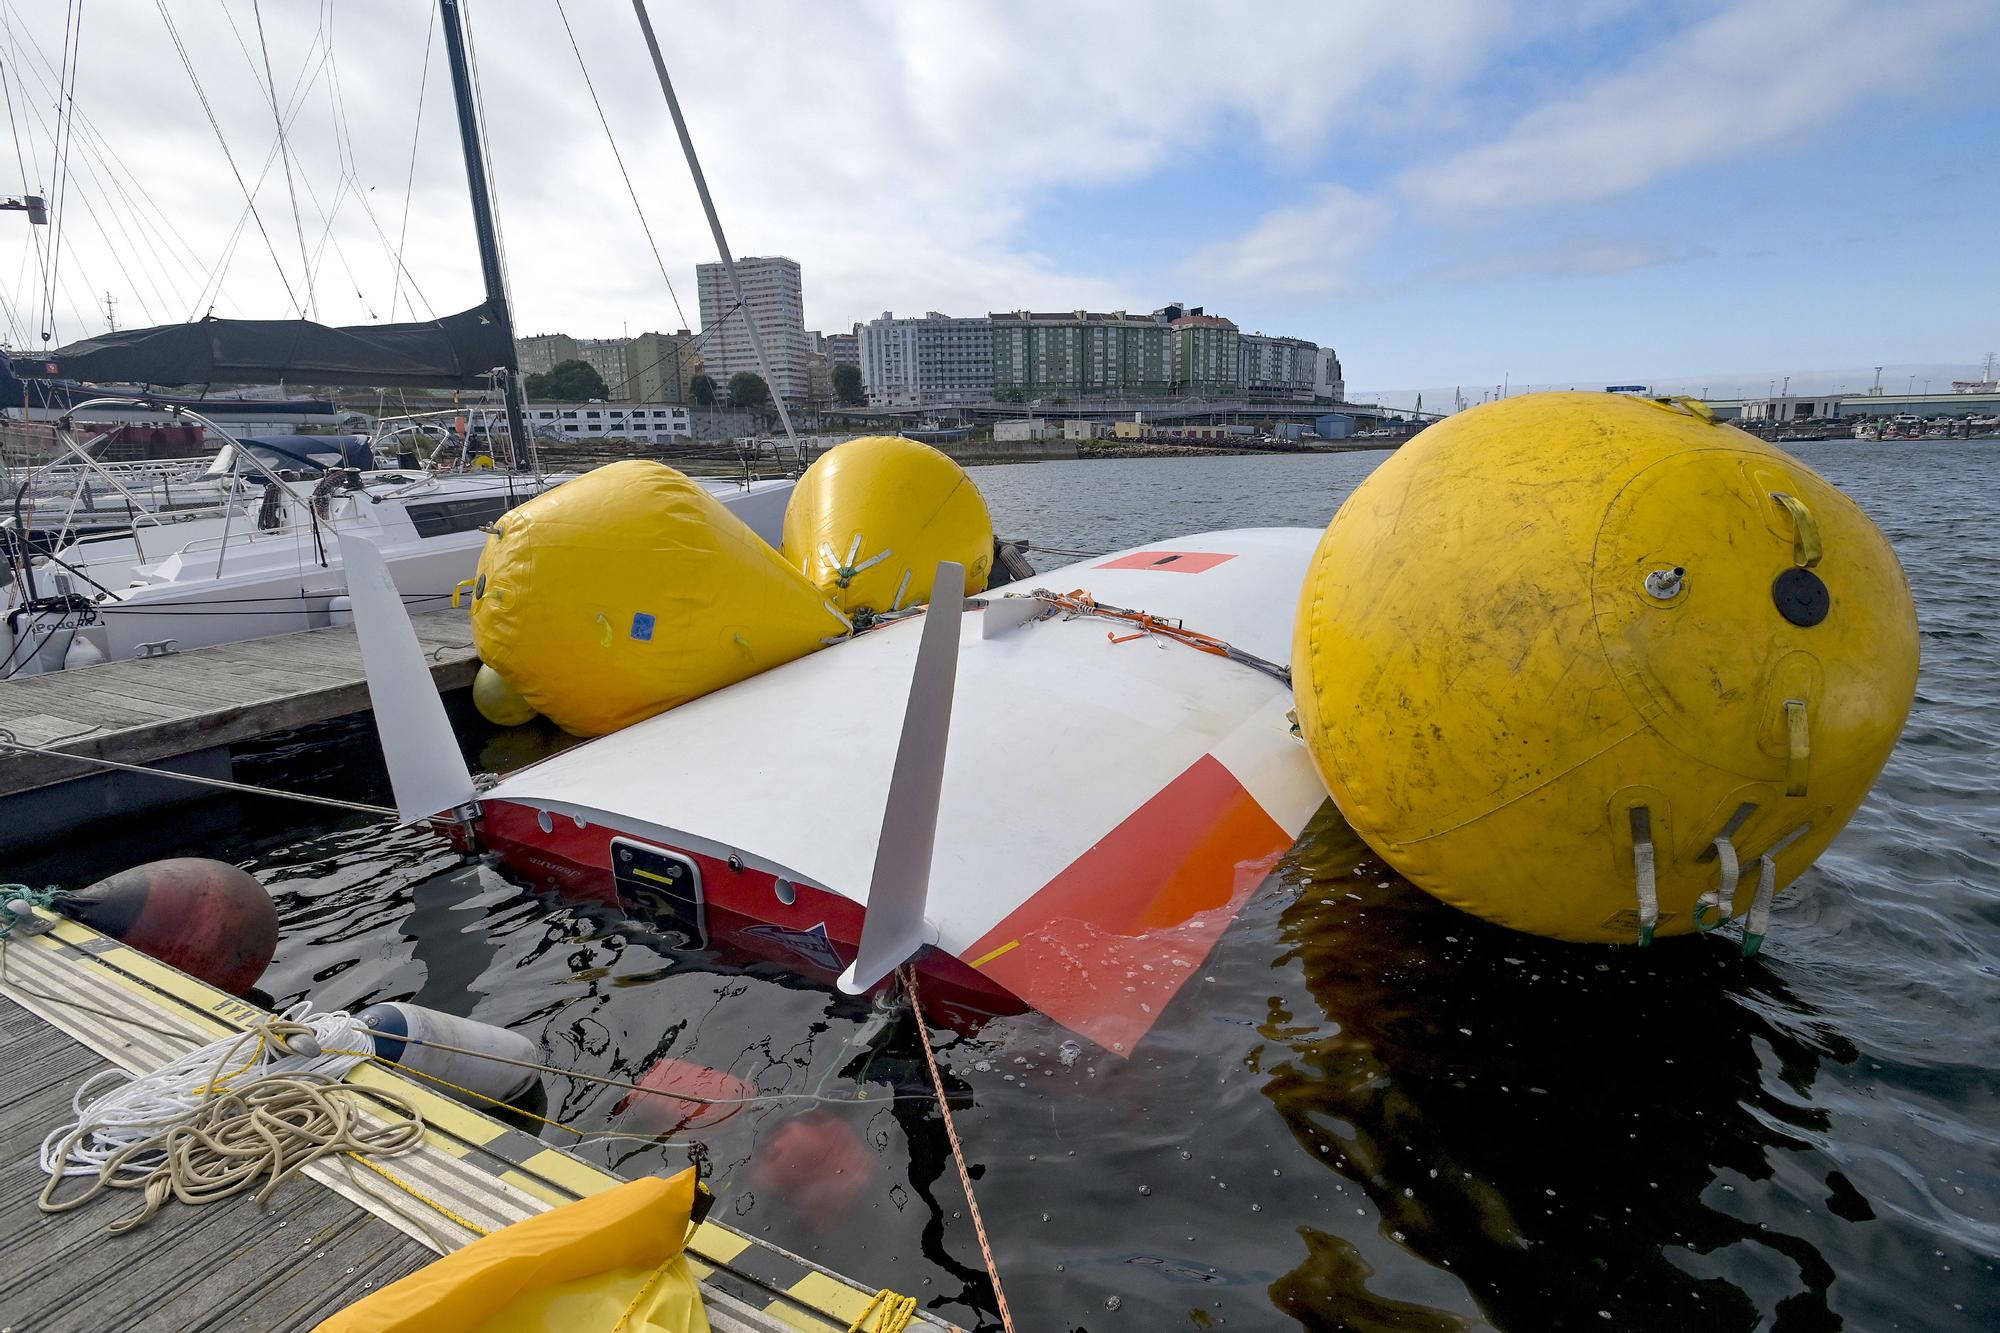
{"points": [[115, 1109]]}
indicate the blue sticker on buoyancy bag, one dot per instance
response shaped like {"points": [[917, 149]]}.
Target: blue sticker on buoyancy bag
{"points": [[642, 625]]}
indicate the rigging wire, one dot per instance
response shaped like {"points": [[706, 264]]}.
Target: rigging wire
{"points": [[27, 187], [343, 151], [410, 181], [249, 198], [323, 42], [285, 152], [143, 209], [302, 87], [486, 157], [59, 165], [619, 157]]}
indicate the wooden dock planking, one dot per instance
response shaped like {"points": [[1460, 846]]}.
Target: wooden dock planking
{"points": [[150, 709], [71, 999], [286, 1265]]}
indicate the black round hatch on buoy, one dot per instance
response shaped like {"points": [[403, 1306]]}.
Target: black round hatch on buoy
{"points": [[1802, 597]]}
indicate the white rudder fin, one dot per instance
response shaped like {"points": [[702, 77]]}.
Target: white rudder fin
{"points": [[892, 925], [425, 768]]}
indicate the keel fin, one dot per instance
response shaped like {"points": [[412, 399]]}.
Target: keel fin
{"points": [[892, 927], [425, 768]]}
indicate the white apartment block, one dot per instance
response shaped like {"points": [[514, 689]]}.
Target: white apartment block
{"points": [[641, 423], [933, 360], [1329, 382], [774, 298]]}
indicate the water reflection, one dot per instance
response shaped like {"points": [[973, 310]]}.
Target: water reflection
{"points": [[1554, 1124]]}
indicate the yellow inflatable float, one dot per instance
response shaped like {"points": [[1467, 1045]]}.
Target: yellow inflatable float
{"points": [[630, 590], [610, 1263], [497, 701], [1596, 667], [871, 519]]}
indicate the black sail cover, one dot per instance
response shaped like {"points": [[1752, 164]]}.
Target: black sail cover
{"points": [[457, 352]]}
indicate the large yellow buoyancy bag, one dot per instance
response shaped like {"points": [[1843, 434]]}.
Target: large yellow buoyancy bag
{"points": [[1573, 661], [608, 1262], [630, 590], [871, 519]]}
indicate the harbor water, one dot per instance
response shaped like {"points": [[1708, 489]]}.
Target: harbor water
{"points": [[1368, 1110]]}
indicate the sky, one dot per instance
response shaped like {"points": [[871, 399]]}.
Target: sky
{"points": [[1454, 194]]}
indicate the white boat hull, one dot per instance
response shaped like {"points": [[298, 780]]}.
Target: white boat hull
{"points": [[1110, 798]]}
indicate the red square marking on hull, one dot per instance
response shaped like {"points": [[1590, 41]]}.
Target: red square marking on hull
{"points": [[1173, 562]]}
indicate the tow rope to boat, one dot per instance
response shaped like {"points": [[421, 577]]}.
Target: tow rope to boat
{"points": [[1081, 603], [909, 975]]}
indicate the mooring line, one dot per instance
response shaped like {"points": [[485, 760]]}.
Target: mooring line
{"points": [[957, 1151], [7, 742]]}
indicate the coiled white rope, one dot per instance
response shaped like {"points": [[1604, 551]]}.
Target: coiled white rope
{"points": [[255, 1106]]}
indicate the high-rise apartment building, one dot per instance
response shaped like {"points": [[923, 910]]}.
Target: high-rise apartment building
{"points": [[1207, 362], [938, 359], [1276, 368], [1079, 354], [844, 349], [772, 296], [543, 352], [658, 367]]}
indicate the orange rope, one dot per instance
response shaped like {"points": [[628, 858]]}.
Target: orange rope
{"points": [[1081, 603], [957, 1153]]}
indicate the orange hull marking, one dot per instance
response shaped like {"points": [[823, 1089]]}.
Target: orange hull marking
{"points": [[1171, 562], [1110, 940]]}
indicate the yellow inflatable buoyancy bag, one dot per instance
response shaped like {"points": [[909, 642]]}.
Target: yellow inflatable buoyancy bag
{"points": [[1556, 648], [610, 1261], [631, 590], [871, 519]]}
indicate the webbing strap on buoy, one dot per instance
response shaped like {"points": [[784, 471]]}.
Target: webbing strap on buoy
{"points": [[845, 570], [1758, 922], [1644, 873], [1721, 900]]}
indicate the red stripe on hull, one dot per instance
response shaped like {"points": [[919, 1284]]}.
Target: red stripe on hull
{"points": [[815, 935], [1103, 946]]}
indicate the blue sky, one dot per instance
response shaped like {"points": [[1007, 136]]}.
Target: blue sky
{"points": [[1686, 193], [1869, 234]]}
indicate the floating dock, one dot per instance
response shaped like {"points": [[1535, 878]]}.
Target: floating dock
{"points": [[76, 1001], [183, 712]]}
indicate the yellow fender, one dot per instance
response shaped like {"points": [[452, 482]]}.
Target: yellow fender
{"points": [[610, 1262], [1556, 649]]}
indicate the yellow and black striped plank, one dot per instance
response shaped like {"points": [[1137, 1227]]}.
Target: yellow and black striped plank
{"points": [[473, 1174]]}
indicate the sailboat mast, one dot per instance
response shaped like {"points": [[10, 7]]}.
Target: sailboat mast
{"points": [[450, 12], [714, 222]]}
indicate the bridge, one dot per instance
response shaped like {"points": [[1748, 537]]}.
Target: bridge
{"points": [[1154, 411]]}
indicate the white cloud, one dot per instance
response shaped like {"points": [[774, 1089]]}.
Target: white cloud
{"points": [[1750, 76], [897, 150], [1304, 249], [1573, 257]]}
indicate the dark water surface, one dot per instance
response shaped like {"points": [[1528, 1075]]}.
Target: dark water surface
{"points": [[1369, 1111]]}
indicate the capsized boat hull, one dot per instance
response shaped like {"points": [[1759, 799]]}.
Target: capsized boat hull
{"points": [[1110, 798]]}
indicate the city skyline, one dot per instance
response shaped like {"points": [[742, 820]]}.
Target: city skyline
{"points": [[1449, 193]]}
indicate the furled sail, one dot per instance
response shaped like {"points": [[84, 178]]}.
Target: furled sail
{"points": [[457, 351]]}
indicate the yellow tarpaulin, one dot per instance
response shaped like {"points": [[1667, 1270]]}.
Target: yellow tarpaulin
{"points": [[611, 1263]]}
